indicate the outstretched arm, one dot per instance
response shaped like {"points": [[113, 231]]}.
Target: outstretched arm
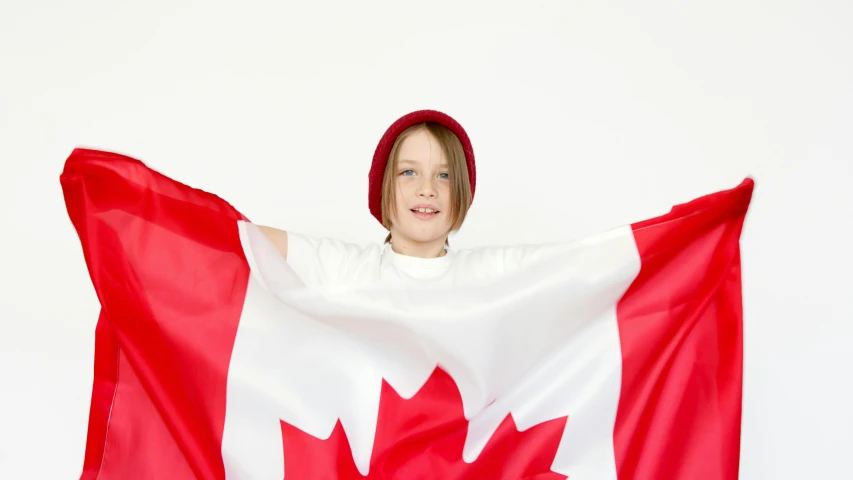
{"points": [[277, 237], [320, 261]]}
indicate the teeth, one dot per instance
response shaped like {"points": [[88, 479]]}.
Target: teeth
{"points": [[425, 210]]}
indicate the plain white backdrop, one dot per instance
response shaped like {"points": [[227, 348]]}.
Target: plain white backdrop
{"points": [[584, 115]]}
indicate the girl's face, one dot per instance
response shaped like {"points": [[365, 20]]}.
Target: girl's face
{"points": [[422, 213]]}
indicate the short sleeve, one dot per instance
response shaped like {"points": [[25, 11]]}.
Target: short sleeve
{"points": [[520, 256], [328, 261], [513, 258], [484, 262]]}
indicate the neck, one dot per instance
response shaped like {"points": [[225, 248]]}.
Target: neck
{"points": [[418, 249]]}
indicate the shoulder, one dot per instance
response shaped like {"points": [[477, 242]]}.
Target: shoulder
{"points": [[323, 260], [500, 259]]}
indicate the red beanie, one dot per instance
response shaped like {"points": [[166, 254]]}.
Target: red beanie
{"points": [[383, 150]]}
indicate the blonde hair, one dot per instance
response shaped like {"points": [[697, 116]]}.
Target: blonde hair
{"points": [[460, 184]]}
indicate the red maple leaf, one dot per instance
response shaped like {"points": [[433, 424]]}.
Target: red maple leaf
{"points": [[422, 438]]}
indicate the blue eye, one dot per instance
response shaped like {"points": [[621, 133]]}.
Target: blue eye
{"points": [[444, 176], [407, 172]]}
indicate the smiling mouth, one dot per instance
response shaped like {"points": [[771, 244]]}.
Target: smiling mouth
{"points": [[424, 213]]}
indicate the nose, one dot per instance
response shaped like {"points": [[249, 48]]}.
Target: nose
{"points": [[427, 188]]}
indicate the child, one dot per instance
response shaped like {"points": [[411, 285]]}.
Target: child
{"points": [[422, 183]]}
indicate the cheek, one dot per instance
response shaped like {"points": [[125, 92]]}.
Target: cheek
{"points": [[400, 194], [444, 194], [407, 187]]}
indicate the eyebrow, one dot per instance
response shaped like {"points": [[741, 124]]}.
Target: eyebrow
{"points": [[412, 162]]}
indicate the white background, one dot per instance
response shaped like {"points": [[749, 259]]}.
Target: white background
{"points": [[584, 115]]}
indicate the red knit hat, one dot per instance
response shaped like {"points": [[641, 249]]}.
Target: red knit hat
{"points": [[383, 150]]}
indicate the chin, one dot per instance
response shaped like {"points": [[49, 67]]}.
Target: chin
{"points": [[423, 232], [437, 238], [426, 237]]}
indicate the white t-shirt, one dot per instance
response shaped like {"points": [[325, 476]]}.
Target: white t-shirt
{"points": [[325, 261]]}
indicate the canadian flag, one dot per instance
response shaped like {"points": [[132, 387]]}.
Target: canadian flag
{"points": [[618, 357]]}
